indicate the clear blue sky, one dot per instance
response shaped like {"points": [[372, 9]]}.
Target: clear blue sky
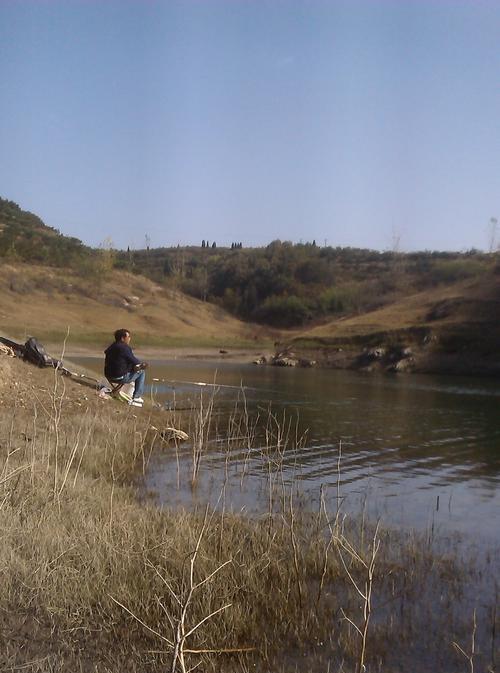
{"points": [[251, 120]]}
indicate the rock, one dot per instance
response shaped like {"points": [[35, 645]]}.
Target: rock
{"points": [[173, 433], [369, 356], [402, 365], [262, 360], [375, 353], [284, 353], [306, 363], [170, 433], [285, 362], [7, 350]]}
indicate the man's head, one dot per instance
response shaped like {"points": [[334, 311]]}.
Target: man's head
{"points": [[122, 335]]}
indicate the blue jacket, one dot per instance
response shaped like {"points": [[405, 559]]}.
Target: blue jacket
{"points": [[119, 360]]}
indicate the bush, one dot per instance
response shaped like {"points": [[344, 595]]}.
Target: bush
{"points": [[283, 311], [349, 298], [450, 271]]}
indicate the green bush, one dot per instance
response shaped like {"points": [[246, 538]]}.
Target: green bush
{"points": [[453, 270], [349, 298], [283, 311]]}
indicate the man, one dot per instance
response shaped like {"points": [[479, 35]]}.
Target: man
{"points": [[121, 366]]}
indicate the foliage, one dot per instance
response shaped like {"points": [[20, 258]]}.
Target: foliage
{"points": [[283, 311], [25, 237], [452, 270]]}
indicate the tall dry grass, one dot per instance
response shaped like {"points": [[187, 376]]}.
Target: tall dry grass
{"points": [[94, 579]]}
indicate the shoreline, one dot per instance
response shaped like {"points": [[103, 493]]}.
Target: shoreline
{"points": [[421, 361], [369, 356], [237, 355], [83, 554]]}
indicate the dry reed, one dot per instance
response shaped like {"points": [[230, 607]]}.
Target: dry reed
{"points": [[95, 580]]}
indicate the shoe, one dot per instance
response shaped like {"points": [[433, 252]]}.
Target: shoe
{"points": [[135, 403], [138, 399]]}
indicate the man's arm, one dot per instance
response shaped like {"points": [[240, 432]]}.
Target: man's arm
{"points": [[130, 357]]}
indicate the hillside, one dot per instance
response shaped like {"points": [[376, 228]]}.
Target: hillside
{"points": [[44, 302], [25, 237], [290, 285], [330, 304], [453, 329]]}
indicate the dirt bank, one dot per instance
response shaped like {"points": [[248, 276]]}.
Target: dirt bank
{"points": [[155, 353]]}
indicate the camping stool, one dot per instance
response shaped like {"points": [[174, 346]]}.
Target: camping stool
{"points": [[116, 386]]}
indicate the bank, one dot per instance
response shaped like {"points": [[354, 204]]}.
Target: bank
{"points": [[95, 577]]}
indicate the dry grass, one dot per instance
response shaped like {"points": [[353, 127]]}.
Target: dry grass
{"points": [[94, 580], [470, 301], [43, 301]]}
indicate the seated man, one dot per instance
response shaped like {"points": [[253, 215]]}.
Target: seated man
{"points": [[121, 366]]}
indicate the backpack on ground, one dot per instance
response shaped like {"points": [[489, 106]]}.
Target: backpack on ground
{"points": [[35, 353]]}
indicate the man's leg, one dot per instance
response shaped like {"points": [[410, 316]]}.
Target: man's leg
{"points": [[137, 378], [139, 383]]}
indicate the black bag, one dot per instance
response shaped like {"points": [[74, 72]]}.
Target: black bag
{"points": [[34, 352]]}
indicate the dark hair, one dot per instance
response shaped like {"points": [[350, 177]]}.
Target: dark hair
{"points": [[120, 333]]}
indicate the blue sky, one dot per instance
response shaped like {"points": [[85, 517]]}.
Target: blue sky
{"points": [[358, 122]]}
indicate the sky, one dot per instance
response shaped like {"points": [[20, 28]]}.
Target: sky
{"points": [[365, 123]]}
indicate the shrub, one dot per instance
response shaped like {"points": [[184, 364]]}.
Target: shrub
{"points": [[452, 270], [349, 298], [283, 311]]}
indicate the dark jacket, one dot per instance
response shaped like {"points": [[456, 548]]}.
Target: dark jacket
{"points": [[119, 360]]}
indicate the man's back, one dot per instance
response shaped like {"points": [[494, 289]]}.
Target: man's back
{"points": [[119, 360]]}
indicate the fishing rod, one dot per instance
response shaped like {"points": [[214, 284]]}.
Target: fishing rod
{"points": [[203, 384]]}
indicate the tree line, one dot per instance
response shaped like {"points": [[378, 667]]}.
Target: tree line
{"points": [[288, 285], [282, 284]]}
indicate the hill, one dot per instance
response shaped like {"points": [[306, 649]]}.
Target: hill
{"points": [[44, 302], [331, 304], [294, 285], [25, 237], [452, 329]]}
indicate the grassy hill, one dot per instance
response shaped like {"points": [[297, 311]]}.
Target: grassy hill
{"points": [[44, 302], [454, 328], [295, 285], [25, 237]]}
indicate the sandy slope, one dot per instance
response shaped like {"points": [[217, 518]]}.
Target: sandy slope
{"points": [[461, 304], [453, 330], [44, 302]]}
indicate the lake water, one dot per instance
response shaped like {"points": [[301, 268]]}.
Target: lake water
{"points": [[418, 451]]}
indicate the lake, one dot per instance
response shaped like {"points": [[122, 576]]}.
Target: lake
{"points": [[417, 451]]}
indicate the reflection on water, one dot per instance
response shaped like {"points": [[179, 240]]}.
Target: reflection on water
{"points": [[419, 450]]}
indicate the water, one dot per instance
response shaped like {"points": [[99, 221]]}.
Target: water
{"points": [[417, 451], [420, 452]]}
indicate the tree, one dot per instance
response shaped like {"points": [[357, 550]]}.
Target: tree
{"points": [[492, 231]]}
